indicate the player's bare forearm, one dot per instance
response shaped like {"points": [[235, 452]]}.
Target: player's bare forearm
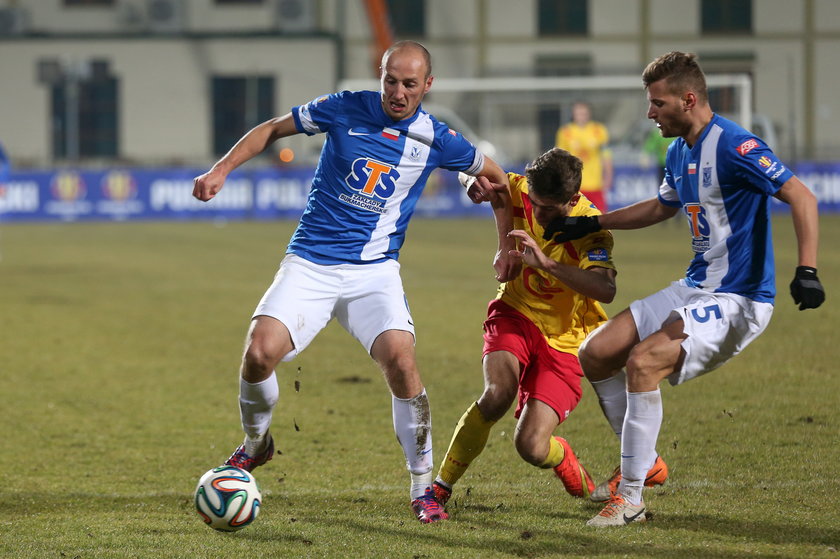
{"points": [[206, 186], [637, 216], [596, 283], [503, 215], [481, 189], [805, 214], [255, 141], [507, 267], [493, 172], [502, 208]]}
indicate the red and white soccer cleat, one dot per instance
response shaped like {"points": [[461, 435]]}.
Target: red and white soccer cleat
{"points": [[241, 459], [427, 508]]}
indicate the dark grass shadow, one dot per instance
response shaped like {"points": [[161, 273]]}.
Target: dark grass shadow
{"points": [[773, 533], [475, 528]]}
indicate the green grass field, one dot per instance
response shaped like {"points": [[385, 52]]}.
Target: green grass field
{"points": [[120, 349]]}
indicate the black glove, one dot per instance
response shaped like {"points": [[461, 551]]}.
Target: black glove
{"points": [[571, 228], [806, 289]]}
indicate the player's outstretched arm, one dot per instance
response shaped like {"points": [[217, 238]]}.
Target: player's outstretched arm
{"points": [[639, 215], [484, 191], [206, 186], [596, 282], [492, 184], [806, 289], [506, 266]]}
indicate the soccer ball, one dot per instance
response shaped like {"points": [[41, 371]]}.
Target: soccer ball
{"points": [[228, 498]]}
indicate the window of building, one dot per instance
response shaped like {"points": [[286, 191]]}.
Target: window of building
{"points": [[726, 16], [725, 99], [85, 118], [408, 17], [72, 3], [239, 104], [563, 17]]}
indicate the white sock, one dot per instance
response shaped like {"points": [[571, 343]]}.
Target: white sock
{"points": [[612, 395], [413, 426], [256, 404], [420, 483], [638, 441]]}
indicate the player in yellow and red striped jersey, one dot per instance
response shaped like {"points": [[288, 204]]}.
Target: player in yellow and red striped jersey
{"points": [[537, 322]]}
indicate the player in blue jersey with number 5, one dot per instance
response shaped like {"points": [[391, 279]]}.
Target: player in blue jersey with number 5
{"points": [[722, 177], [342, 259]]}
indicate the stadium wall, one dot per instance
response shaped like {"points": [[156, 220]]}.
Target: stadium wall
{"points": [[164, 108]]}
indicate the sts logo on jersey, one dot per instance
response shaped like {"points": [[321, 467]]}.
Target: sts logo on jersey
{"points": [[374, 182], [372, 178], [699, 226]]}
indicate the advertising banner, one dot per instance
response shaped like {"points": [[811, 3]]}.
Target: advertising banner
{"points": [[264, 194]]}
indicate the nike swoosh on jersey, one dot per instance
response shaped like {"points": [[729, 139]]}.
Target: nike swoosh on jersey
{"points": [[352, 132], [678, 179]]}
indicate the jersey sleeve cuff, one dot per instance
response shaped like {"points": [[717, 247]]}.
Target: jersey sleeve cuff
{"points": [[301, 124], [669, 203]]}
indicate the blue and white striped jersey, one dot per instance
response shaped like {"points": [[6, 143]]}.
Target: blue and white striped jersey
{"points": [[370, 174], [723, 184]]}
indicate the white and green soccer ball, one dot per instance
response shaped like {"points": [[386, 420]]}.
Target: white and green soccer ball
{"points": [[228, 498]]}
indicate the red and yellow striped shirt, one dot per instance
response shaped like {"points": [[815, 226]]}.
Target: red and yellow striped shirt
{"points": [[564, 316]]}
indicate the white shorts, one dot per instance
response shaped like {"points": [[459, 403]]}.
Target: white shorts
{"points": [[367, 299], [718, 325]]}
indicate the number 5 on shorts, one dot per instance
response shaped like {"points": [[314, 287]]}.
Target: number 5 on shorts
{"points": [[704, 314]]}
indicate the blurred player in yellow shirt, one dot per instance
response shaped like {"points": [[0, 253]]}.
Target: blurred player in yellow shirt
{"points": [[536, 323], [587, 140]]}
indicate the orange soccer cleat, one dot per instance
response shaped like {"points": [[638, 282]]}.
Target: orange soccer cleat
{"points": [[657, 475], [575, 478]]}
